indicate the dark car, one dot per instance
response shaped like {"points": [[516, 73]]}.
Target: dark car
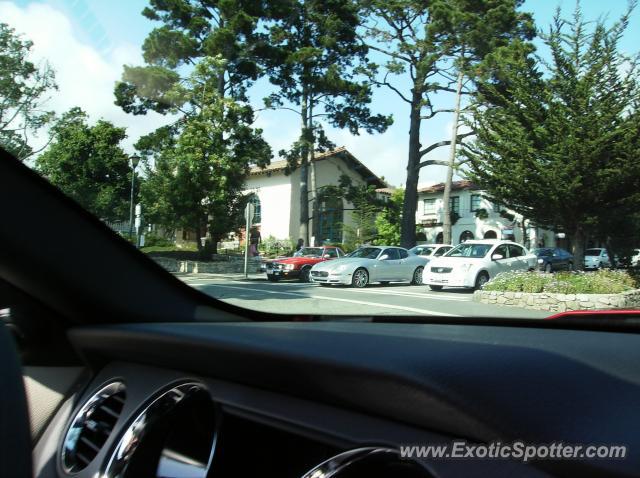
{"points": [[553, 259]]}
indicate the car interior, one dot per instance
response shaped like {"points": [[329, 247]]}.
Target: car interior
{"points": [[115, 368]]}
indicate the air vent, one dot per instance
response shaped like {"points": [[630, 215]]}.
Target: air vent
{"points": [[92, 426]]}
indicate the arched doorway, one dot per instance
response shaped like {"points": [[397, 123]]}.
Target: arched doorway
{"points": [[330, 221], [439, 238], [466, 236], [490, 234]]}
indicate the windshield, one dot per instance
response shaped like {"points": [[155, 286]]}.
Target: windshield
{"points": [[219, 138], [469, 250], [365, 253], [422, 250], [542, 252], [310, 252]]}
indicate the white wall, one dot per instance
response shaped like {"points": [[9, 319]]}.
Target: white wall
{"points": [[274, 193]]}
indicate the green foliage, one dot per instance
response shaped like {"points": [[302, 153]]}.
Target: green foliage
{"points": [[202, 163], [482, 214], [154, 240], [89, 165], [557, 141], [362, 229], [388, 222], [23, 90], [599, 282], [272, 247]]}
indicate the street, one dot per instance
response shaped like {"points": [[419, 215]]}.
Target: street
{"points": [[307, 298]]}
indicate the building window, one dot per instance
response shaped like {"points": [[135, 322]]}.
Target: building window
{"points": [[439, 238], [330, 221], [476, 202], [257, 209], [490, 235], [454, 204], [466, 236], [429, 206]]}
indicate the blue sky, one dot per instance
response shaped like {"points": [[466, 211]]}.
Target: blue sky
{"points": [[88, 41]]}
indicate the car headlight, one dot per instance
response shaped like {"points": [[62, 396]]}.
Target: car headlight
{"points": [[540, 261], [289, 267]]}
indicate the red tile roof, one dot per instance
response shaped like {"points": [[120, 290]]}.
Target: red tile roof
{"points": [[455, 186]]}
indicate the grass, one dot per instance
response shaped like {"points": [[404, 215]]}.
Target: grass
{"points": [[603, 281]]}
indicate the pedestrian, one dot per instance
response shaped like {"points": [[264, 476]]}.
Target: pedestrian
{"points": [[254, 239]]}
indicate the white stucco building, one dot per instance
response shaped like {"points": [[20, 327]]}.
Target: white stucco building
{"points": [[278, 196], [466, 201]]}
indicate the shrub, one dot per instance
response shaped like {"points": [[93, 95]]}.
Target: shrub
{"points": [[599, 282]]}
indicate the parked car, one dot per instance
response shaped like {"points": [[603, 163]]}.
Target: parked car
{"points": [[553, 259], [596, 257], [298, 266], [369, 264], [430, 250], [473, 263]]}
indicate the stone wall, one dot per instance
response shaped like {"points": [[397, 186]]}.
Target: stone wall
{"points": [[218, 267], [560, 302]]}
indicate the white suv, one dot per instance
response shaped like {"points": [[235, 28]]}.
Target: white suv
{"points": [[473, 263]]}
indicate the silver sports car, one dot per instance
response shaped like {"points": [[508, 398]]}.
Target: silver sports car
{"points": [[371, 264]]}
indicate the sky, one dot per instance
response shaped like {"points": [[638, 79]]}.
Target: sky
{"points": [[88, 41]]}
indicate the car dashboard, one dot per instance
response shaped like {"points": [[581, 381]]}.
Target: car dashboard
{"points": [[337, 399]]}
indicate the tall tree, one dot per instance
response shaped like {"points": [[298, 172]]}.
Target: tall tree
{"points": [[201, 165], [88, 164], [23, 89], [200, 62], [190, 31], [313, 56], [557, 141], [429, 40]]}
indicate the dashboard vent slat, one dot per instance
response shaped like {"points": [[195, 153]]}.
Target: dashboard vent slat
{"points": [[92, 426]]}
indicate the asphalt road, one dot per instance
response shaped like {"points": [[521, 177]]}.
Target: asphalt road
{"points": [[304, 298]]}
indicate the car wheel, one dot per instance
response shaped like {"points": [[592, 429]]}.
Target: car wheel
{"points": [[360, 278], [548, 269], [417, 276], [304, 274], [435, 287], [273, 278], [481, 280]]}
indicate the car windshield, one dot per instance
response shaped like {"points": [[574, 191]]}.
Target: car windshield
{"points": [[218, 138], [422, 250], [365, 253], [543, 252], [469, 250], [310, 252]]}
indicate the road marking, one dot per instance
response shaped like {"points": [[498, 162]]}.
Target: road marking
{"points": [[422, 295], [351, 301]]}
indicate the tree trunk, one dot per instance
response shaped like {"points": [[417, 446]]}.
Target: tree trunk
{"points": [[578, 248], [610, 252], [446, 220], [524, 232], [304, 173], [408, 221]]}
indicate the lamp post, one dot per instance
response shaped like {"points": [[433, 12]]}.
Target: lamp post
{"points": [[135, 159]]}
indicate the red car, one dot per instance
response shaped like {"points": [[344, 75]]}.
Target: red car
{"points": [[298, 266]]}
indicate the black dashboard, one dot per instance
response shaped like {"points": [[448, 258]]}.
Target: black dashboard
{"points": [[279, 399]]}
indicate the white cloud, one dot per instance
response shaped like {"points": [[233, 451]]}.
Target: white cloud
{"points": [[85, 78]]}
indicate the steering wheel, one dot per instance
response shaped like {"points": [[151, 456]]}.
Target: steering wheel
{"points": [[15, 433]]}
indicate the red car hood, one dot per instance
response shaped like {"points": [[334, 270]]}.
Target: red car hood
{"points": [[299, 260]]}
